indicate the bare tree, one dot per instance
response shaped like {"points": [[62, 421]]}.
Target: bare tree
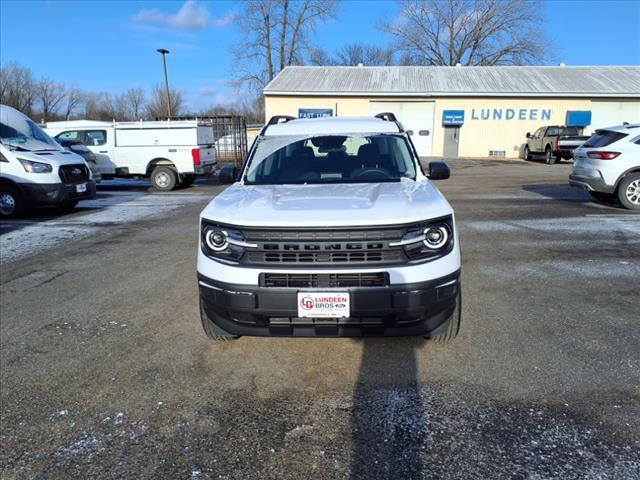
{"points": [[482, 32], [354, 54], [157, 106], [49, 95], [17, 87], [73, 99], [276, 34], [132, 102]]}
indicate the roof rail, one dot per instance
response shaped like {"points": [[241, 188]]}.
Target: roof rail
{"points": [[276, 119], [388, 116]]}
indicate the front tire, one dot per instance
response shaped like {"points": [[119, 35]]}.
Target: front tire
{"points": [[527, 153], [452, 325], [629, 191], [213, 331], [12, 205], [164, 179], [549, 159]]}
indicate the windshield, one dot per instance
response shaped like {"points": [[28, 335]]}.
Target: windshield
{"points": [[23, 133], [357, 158]]}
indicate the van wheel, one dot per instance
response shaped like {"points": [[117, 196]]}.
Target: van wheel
{"points": [[549, 159], [629, 191], [12, 204], [527, 153], [164, 179], [451, 326], [213, 331], [68, 205]]}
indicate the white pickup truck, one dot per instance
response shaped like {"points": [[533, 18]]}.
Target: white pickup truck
{"points": [[170, 153], [331, 228]]}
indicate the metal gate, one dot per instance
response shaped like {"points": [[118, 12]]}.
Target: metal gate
{"points": [[229, 137]]}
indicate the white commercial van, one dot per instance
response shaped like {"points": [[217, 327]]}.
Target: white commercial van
{"points": [[170, 153], [35, 170]]}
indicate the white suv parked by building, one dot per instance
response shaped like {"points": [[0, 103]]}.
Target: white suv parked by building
{"points": [[331, 228], [608, 165]]}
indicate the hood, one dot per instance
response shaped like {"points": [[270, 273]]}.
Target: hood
{"points": [[327, 205], [53, 157]]}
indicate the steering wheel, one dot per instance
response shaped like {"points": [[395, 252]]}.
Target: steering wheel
{"points": [[381, 173]]}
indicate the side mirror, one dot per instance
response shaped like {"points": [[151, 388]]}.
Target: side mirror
{"points": [[227, 174], [528, 135], [423, 133], [439, 171]]}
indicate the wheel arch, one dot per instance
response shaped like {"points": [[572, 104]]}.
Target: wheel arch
{"points": [[626, 173], [165, 162]]}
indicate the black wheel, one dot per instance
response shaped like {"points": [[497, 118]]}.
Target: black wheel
{"points": [[164, 179], [603, 197], [452, 325], [12, 204], [187, 180], [68, 205], [527, 153], [549, 159], [629, 191], [213, 331]]}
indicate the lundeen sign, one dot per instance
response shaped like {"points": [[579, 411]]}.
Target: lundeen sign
{"points": [[510, 114]]}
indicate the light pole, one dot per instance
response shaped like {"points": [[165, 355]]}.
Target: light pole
{"points": [[163, 52]]}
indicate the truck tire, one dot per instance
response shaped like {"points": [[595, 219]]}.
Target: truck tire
{"points": [[12, 205], [527, 153], [68, 205], [629, 191], [452, 325], [164, 179], [213, 331], [549, 159]]}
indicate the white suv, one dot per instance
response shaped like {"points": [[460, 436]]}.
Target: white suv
{"points": [[331, 228], [608, 165]]}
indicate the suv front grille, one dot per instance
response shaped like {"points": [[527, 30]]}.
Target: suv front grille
{"points": [[328, 280], [74, 173], [324, 247]]}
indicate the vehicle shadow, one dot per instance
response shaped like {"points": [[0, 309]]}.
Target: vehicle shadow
{"points": [[559, 191], [388, 423]]}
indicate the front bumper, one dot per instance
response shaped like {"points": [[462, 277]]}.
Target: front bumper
{"points": [[396, 310], [591, 184], [55, 193]]}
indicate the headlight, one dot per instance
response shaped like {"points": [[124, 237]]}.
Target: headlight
{"points": [[223, 243], [427, 241], [35, 167]]}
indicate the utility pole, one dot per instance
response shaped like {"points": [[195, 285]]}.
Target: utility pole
{"points": [[164, 52]]}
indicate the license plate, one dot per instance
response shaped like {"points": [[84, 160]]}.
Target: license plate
{"points": [[81, 188], [323, 304]]}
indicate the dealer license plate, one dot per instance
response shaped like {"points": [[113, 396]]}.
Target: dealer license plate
{"points": [[81, 188], [323, 304]]}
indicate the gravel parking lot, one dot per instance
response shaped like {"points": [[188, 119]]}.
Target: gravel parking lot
{"points": [[106, 372]]}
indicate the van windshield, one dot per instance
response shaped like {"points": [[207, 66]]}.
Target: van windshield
{"points": [[25, 134], [356, 158]]}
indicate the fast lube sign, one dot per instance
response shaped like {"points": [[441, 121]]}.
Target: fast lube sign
{"points": [[510, 114]]}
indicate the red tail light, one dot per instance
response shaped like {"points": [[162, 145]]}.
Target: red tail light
{"points": [[603, 155], [195, 153]]}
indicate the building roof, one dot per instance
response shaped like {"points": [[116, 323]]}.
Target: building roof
{"points": [[458, 81], [332, 126]]}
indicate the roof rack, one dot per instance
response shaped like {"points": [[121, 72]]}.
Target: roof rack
{"points": [[388, 116], [276, 119]]}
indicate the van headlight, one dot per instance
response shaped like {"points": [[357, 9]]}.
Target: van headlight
{"points": [[427, 241], [35, 167], [223, 243]]}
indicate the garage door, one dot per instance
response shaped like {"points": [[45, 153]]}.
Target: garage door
{"points": [[609, 114], [414, 116]]}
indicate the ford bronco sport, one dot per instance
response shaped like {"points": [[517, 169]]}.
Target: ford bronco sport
{"points": [[330, 229]]}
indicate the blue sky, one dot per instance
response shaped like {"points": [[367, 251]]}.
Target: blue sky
{"points": [[111, 46]]}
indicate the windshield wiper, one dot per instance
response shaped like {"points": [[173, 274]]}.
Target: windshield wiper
{"points": [[16, 147]]}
